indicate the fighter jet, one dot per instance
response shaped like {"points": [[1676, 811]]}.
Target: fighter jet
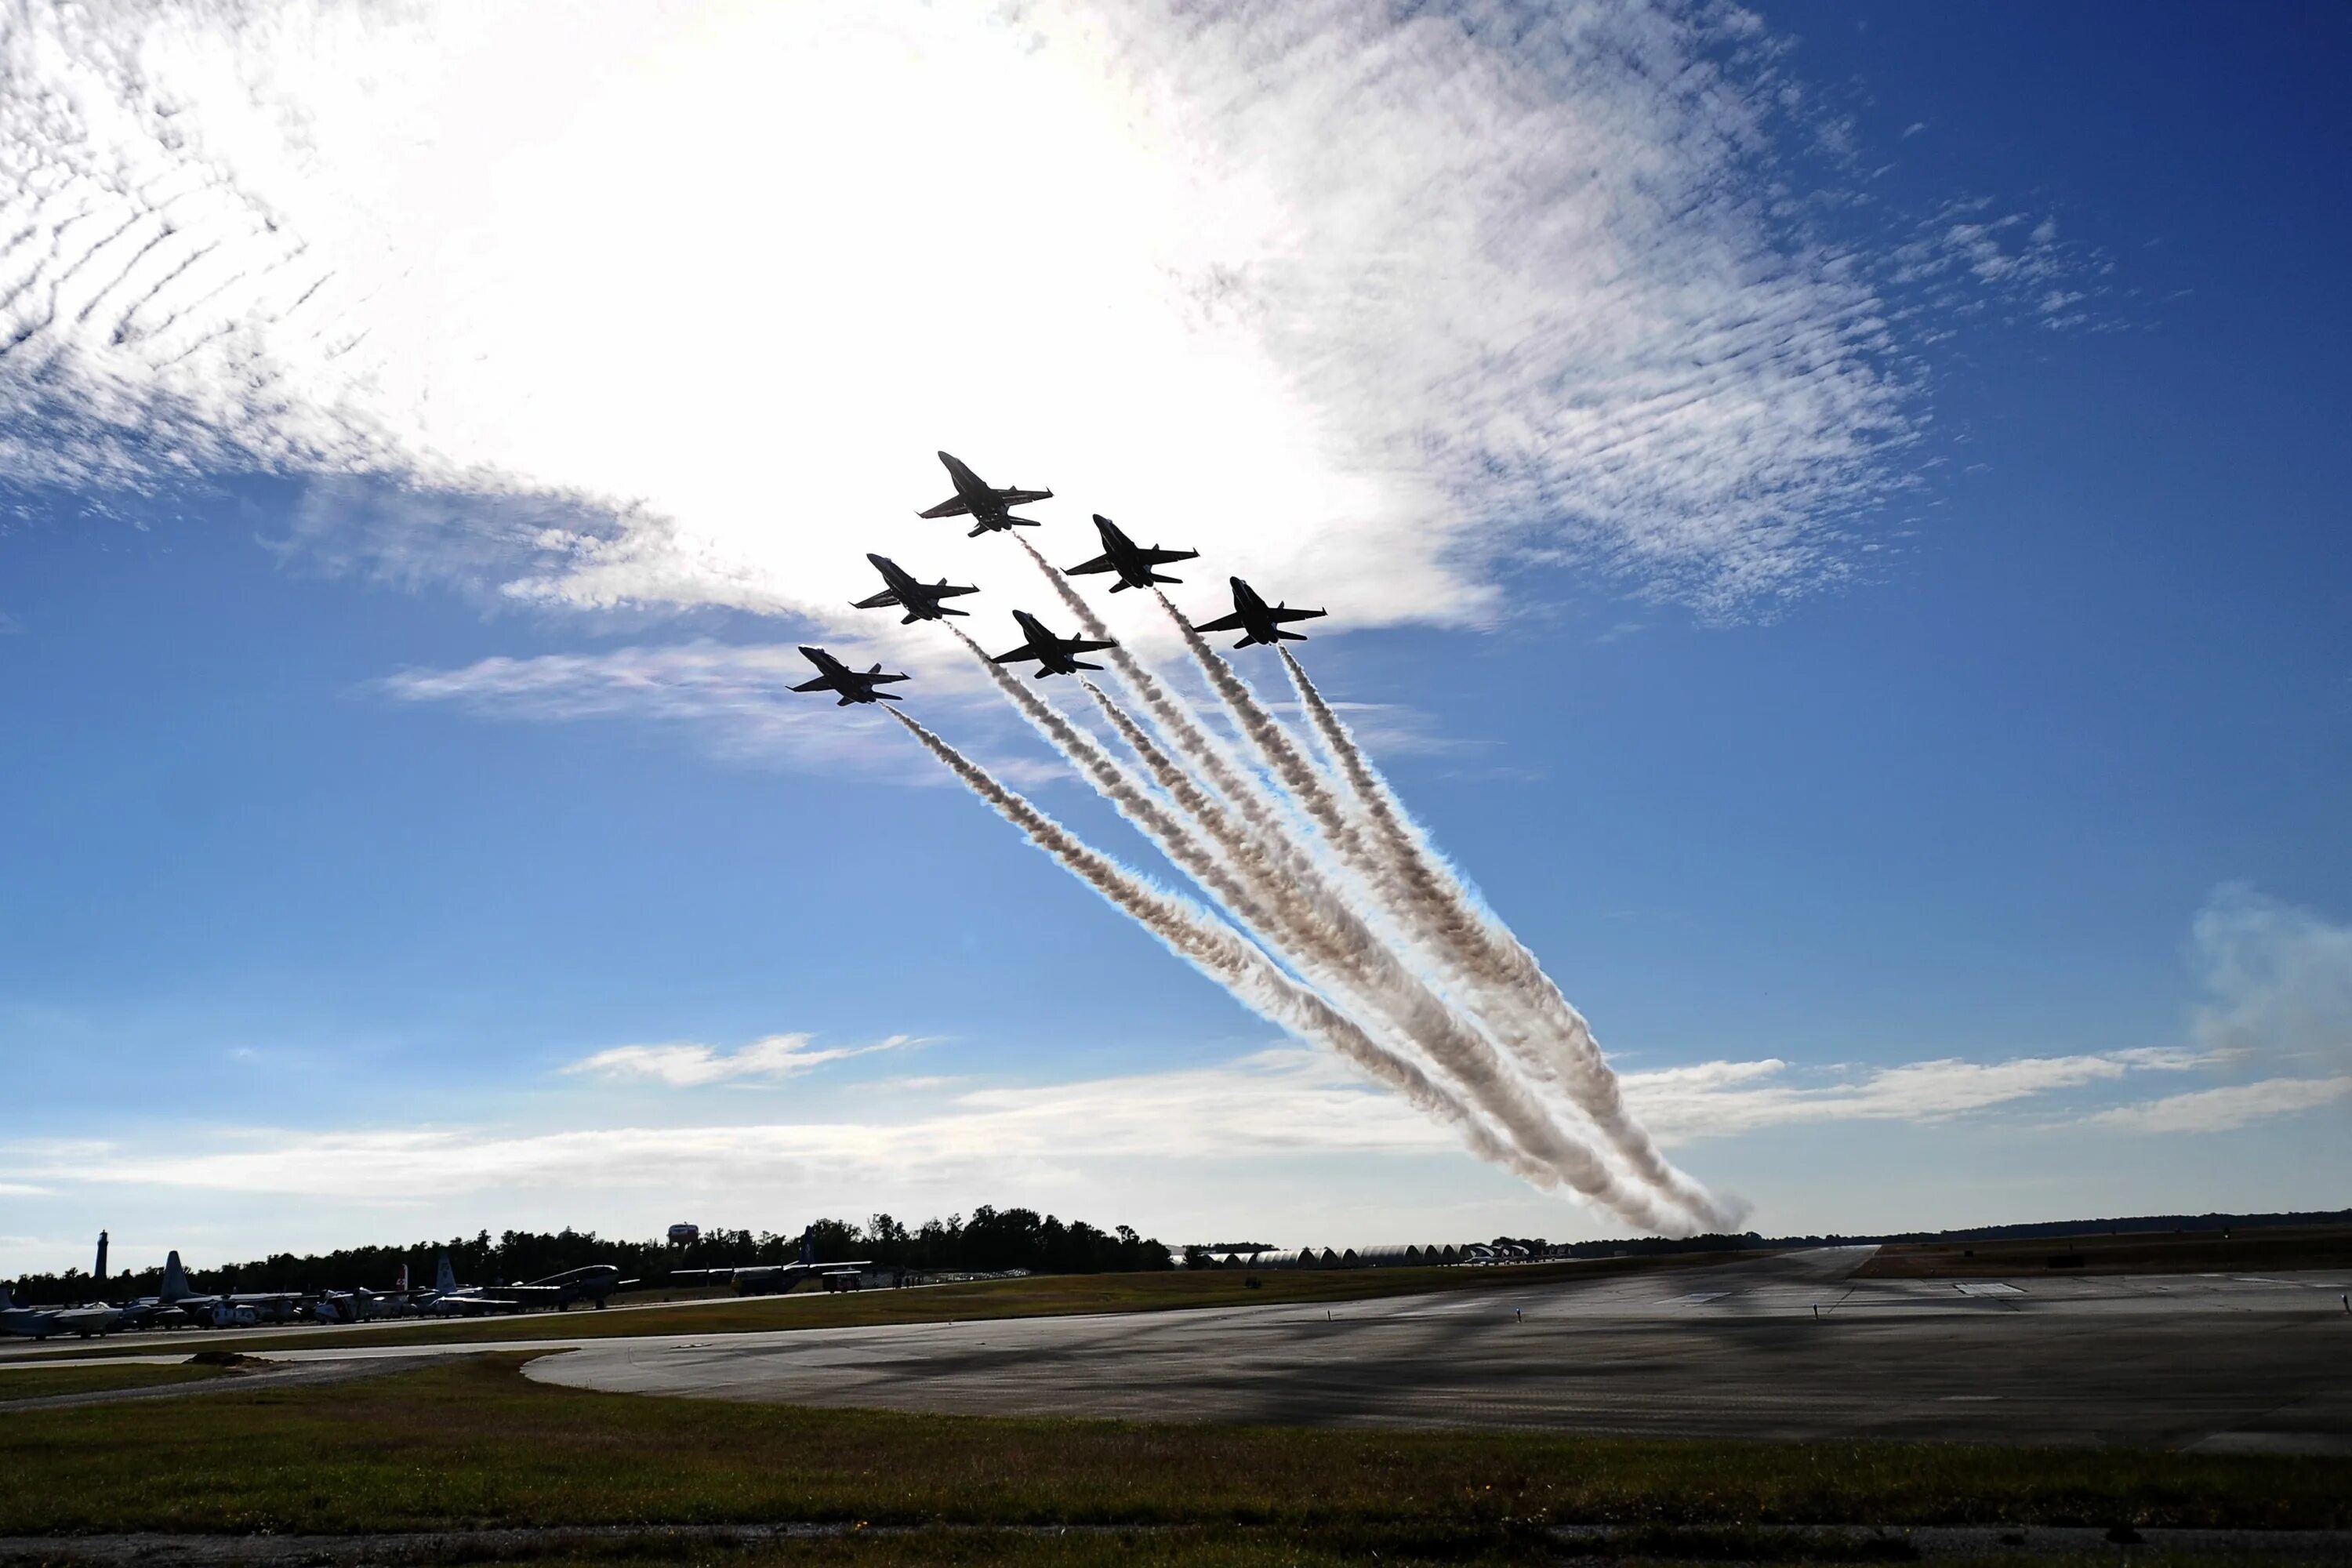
{"points": [[853, 685], [1251, 615], [1132, 562], [988, 508], [921, 602], [1052, 654]]}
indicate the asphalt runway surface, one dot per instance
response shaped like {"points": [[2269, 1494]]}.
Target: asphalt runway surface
{"points": [[1785, 1347], [1788, 1346]]}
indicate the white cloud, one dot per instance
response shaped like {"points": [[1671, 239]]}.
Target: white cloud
{"points": [[1259, 280], [2232, 1106], [2277, 979], [2278, 985], [737, 698], [1282, 1102], [1722, 1098], [1966, 259], [684, 1065]]}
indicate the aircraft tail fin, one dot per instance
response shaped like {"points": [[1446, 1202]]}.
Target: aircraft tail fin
{"points": [[6, 1300], [808, 1246], [175, 1279], [445, 1278]]}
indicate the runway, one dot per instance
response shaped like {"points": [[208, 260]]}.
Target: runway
{"points": [[1785, 1347]]}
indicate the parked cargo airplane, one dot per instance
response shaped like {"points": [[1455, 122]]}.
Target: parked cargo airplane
{"points": [[596, 1282], [217, 1311], [775, 1279], [41, 1323]]}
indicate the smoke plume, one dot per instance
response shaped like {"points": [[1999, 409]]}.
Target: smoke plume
{"points": [[1527, 1006], [1320, 938], [1227, 957]]}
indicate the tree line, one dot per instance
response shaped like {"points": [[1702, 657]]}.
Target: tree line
{"points": [[991, 1240]]}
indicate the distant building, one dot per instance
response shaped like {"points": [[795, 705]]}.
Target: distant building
{"points": [[685, 1235]]}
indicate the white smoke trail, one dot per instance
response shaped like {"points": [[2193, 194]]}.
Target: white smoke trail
{"points": [[1293, 768], [1508, 979], [1514, 998], [1321, 939], [1231, 960], [1183, 727], [1420, 909]]}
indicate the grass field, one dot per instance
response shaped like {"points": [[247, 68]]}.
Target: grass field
{"points": [[1049, 1295], [2158, 1252], [38, 1382], [471, 1443]]}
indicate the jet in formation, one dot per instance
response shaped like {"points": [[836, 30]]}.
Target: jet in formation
{"points": [[1054, 655], [1133, 563], [988, 508], [1254, 615], [775, 1279], [853, 685], [921, 602]]}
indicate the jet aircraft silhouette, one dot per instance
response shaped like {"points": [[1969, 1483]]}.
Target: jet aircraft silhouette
{"points": [[1252, 614], [988, 508], [853, 685], [921, 602], [775, 1279], [1052, 654], [1132, 562]]}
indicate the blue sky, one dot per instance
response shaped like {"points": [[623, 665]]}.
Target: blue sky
{"points": [[1920, 749]]}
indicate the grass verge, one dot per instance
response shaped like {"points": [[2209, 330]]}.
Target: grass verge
{"points": [[38, 1382], [2132, 1252], [472, 1444]]}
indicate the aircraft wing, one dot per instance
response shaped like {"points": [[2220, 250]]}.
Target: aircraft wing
{"points": [[1020, 498], [954, 505], [822, 683], [1076, 646], [887, 596], [1284, 613], [1027, 650], [1099, 564], [1232, 623]]}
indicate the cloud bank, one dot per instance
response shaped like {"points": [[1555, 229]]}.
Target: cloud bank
{"points": [[1450, 287], [1283, 1103]]}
